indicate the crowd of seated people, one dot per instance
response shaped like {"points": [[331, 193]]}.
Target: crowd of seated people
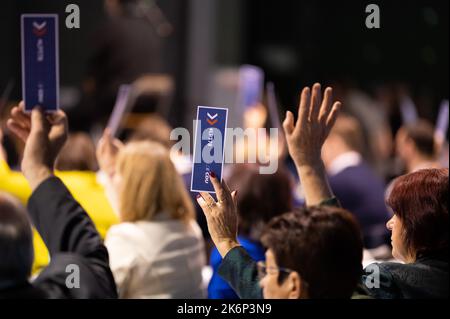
{"points": [[264, 247]]}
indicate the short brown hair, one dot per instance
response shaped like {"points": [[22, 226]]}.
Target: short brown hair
{"points": [[350, 131], [261, 196], [153, 128], [78, 154], [421, 134], [420, 200], [323, 245]]}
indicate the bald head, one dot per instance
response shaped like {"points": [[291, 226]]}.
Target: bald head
{"points": [[16, 245]]}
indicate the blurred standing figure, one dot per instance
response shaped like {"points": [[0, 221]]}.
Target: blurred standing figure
{"points": [[157, 251], [354, 182], [416, 146], [127, 46]]}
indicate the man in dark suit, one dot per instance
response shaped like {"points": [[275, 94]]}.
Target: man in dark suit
{"points": [[79, 266], [354, 182]]}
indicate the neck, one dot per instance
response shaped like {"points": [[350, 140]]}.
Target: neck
{"points": [[416, 161]]}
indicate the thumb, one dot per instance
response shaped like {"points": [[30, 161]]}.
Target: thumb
{"points": [[234, 197], [288, 124]]}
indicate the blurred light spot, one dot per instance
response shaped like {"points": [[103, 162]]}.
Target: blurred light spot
{"points": [[280, 59]]}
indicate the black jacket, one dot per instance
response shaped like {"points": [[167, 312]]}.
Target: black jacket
{"points": [[73, 243], [426, 278]]}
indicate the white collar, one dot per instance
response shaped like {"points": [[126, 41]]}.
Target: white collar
{"points": [[344, 161]]}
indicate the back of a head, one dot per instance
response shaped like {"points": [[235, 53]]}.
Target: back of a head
{"points": [[323, 244], [153, 128], [261, 197], [349, 130], [78, 154], [421, 134], [151, 184], [16, 245]]}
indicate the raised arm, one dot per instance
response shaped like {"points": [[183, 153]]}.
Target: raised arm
{"points": [[305, 138], [237, 267], [59, 219], [66, 229]]}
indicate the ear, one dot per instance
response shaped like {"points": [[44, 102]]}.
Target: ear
{"points": [[296, 286]]}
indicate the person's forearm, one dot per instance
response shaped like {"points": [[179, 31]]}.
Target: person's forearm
{"points": [[314, 182], [36, 177]]}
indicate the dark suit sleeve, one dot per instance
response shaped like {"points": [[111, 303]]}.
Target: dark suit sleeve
{"points": [[71, 238], [62, 223], [239, 270]]}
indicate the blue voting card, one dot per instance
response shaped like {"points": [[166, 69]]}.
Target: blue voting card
{"points": [[442, 121], [40, 61], [120, 109], [251, 86], [209, 146]]}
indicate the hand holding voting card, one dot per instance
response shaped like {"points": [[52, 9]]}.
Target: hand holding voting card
{"points": [[40, 61], [208, 147]]}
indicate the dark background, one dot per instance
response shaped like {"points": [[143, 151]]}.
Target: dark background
{"points": [[297, 42]]}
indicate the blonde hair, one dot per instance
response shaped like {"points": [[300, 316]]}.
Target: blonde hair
{"points": [[150, 184]]}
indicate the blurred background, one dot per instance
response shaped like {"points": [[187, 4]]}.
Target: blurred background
{"points": [[179, 54], [295, 42]]}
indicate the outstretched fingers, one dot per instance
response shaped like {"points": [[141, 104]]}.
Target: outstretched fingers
{"points": [[326, 105], [288, 123], [316, 101], [304, 106], [333, 116]]}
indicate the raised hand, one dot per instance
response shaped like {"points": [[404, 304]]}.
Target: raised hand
{"points": [[221, 216], [107, 150], [316, 117], [305, 138], [44, 136]]}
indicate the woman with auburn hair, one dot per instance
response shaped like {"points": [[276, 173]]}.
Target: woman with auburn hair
{"points": [[419, 229], [157, 250]]}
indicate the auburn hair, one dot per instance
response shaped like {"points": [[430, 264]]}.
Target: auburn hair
{"points": [[420, 200]]}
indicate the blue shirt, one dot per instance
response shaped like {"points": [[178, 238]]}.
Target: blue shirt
{"points": [[218, 288]]}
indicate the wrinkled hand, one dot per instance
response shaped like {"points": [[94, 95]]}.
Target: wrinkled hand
{"points": [[221, 216], [316, 117], [107, 150], [44, 135]]}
